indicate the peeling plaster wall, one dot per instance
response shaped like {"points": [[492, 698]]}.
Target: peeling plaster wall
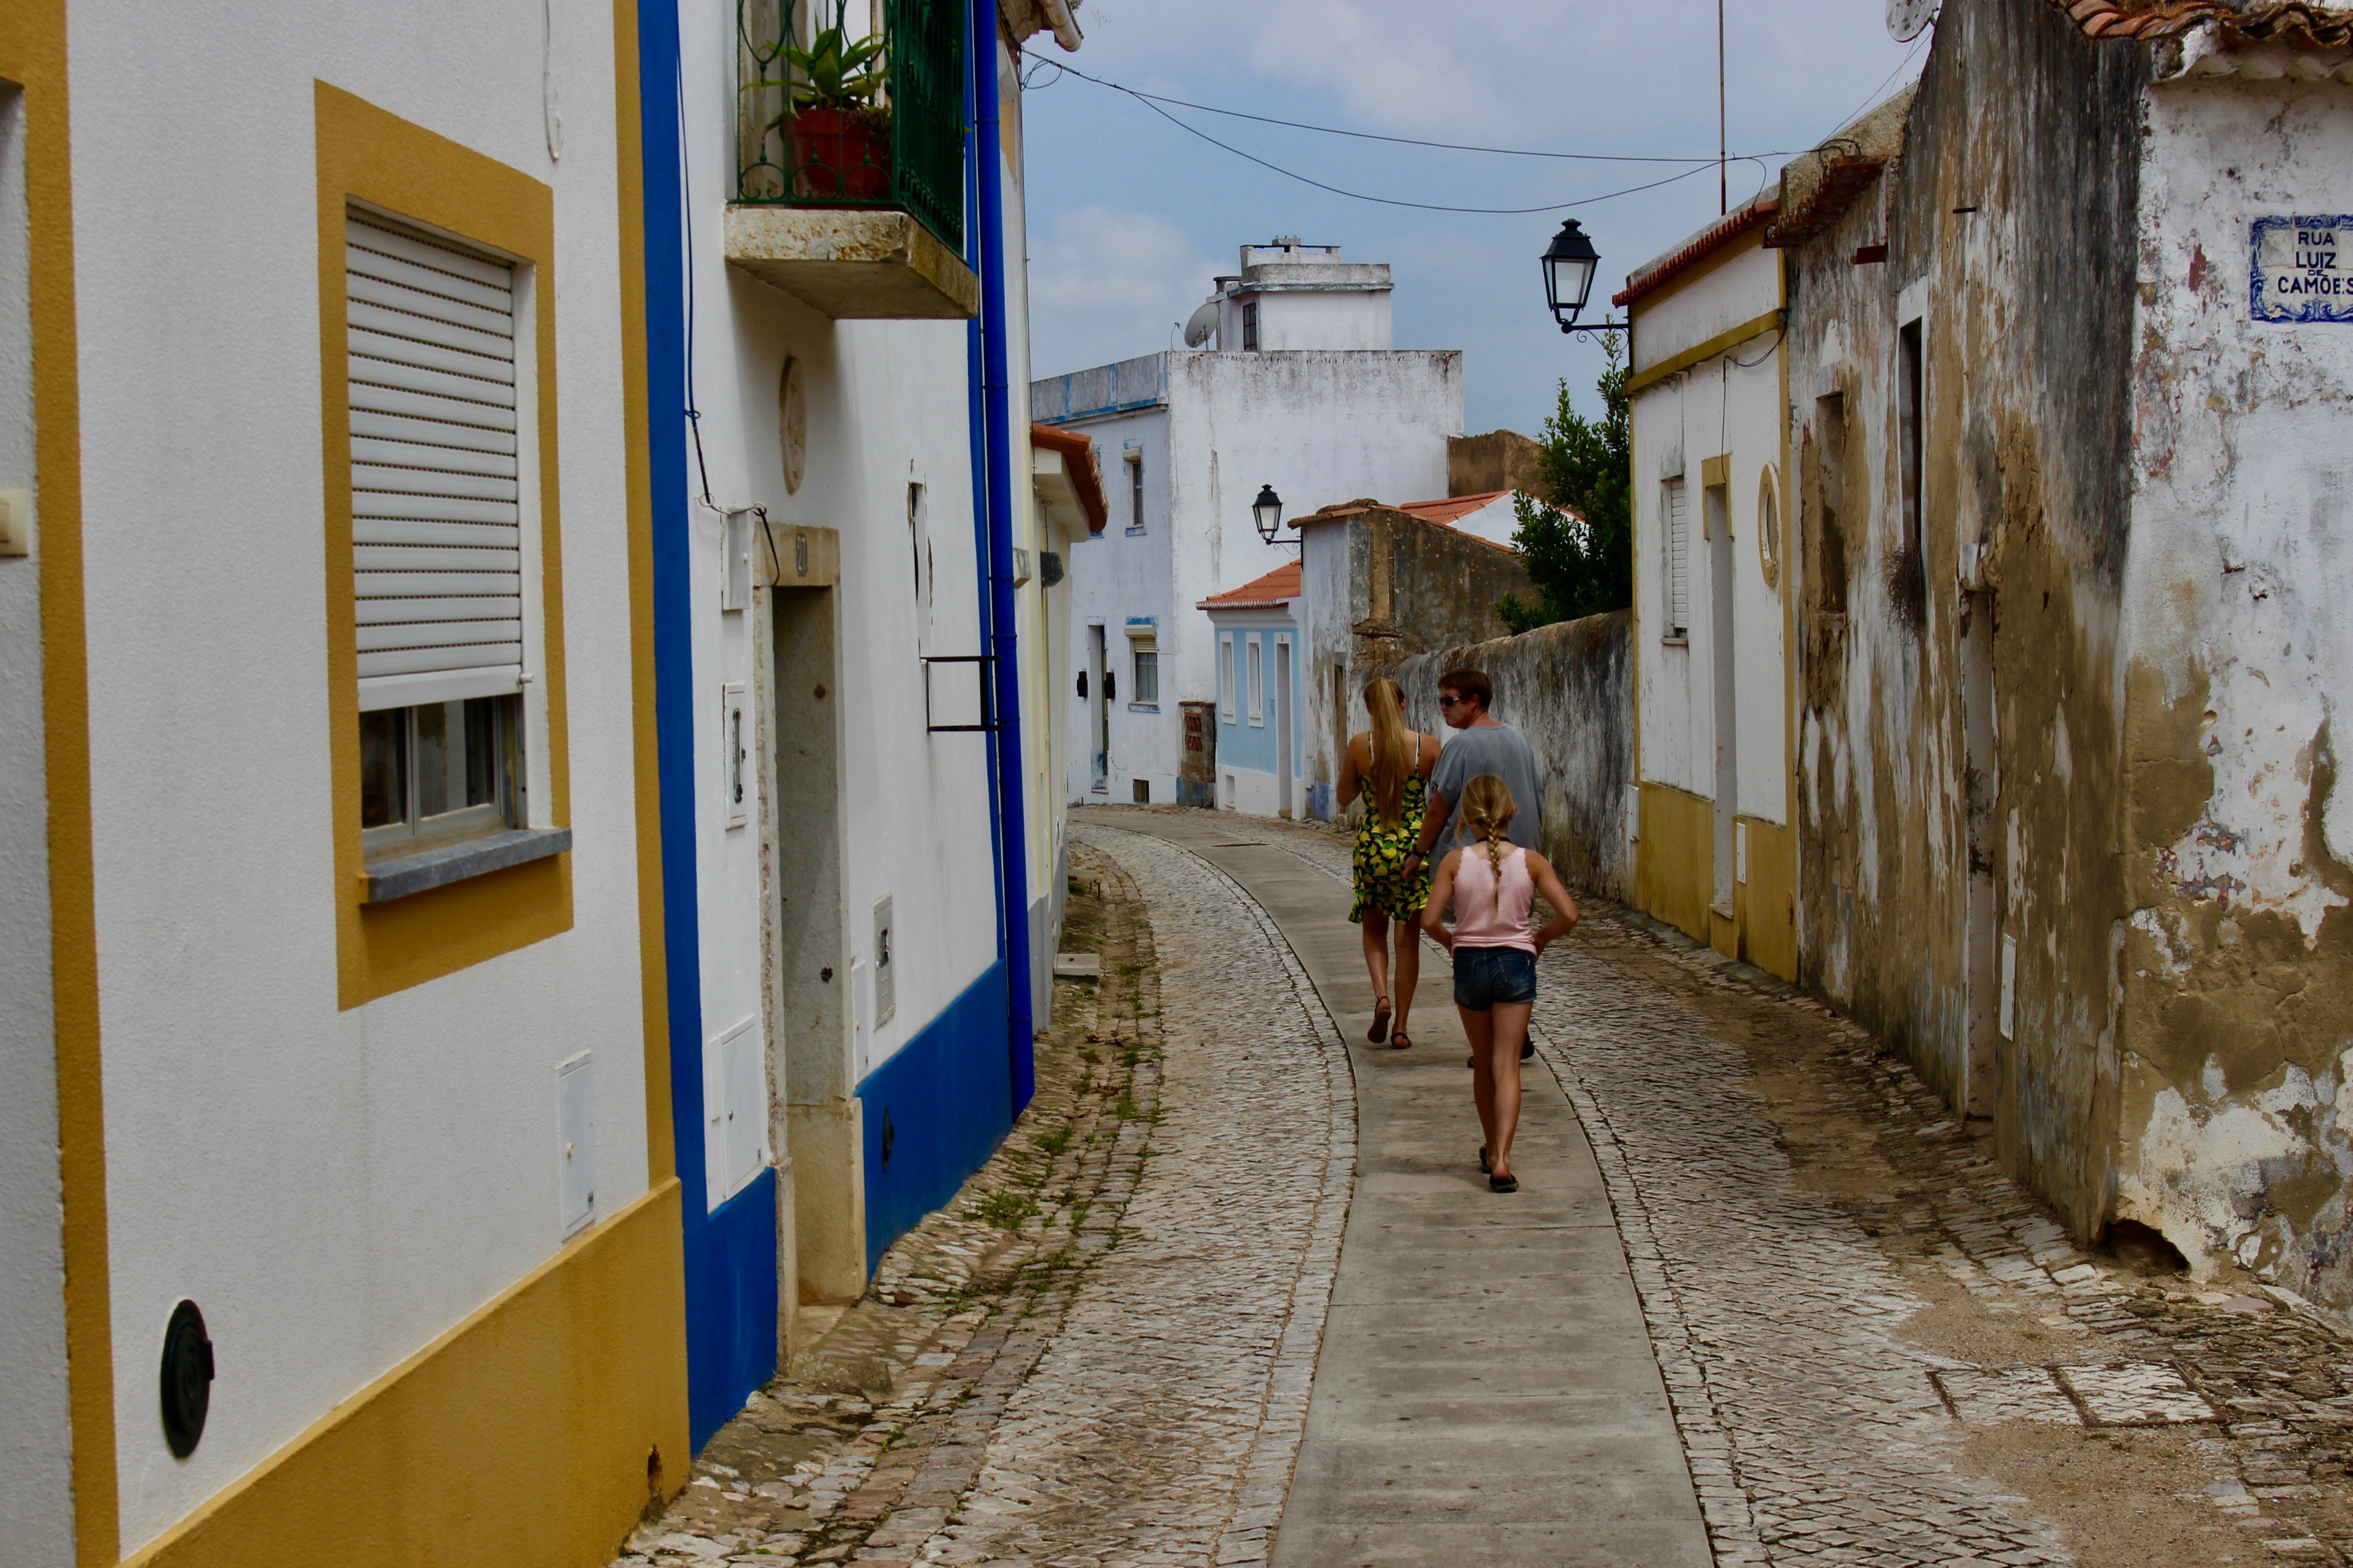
{"points": [[1569, 687], [2025, 305], [2237, 952]]}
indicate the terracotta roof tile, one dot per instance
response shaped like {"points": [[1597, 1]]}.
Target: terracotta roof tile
{"points": [[1447, 510], [1656, 274], [1277, 587]]}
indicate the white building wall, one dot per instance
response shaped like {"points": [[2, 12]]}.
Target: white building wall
{"points": [[1728, 406], [35, 1485], [887, 407], [1317, 319], [334, 1187]]}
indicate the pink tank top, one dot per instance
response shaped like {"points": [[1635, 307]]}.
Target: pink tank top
{"points": [[1480, 919]]}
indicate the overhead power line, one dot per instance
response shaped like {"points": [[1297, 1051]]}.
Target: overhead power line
{"points": [[1153, 101]]}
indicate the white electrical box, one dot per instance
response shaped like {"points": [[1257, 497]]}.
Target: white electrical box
{"points": [[734, 1112], [734, 753], [735, 582], [575, 1124], [886, 989]]}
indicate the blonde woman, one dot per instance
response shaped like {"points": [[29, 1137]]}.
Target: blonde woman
{"points": [[1493, 884], [1390, 765]]}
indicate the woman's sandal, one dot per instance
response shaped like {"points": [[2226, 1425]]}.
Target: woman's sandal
{"points": [[1502, 1183], [1484, 1163], [1401, 1041], [1380, 1029]]}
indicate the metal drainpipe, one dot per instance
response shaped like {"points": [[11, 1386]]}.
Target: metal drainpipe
{"points": [[1013, 837]]}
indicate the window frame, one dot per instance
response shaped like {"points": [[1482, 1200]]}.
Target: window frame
{"points": [[1143, 653], [1134, 458], [1674, 557], [414, 832], [1225, 697], [1249, 326], [1256, 659]]}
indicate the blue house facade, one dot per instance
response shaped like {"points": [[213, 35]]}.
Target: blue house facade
{"points": [[1257, 630]]}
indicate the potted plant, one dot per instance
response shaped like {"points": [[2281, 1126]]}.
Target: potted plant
{"points": [[836, 129]]}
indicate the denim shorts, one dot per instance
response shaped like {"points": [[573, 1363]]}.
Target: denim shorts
{"points": [[1486, 976]]}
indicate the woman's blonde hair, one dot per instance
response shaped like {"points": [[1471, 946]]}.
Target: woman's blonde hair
{"points": [[1487, 811], [1393, 760]]}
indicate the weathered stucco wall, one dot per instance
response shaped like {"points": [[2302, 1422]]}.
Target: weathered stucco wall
{"points": [[1569, 686], [2010, 228], [2236, 958], [1379, 585]]}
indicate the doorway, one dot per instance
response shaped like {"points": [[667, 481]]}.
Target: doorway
{"points": [[1718, 512], [1282, 748], [811, 1076], [1098, 711], [1981, 1068]]}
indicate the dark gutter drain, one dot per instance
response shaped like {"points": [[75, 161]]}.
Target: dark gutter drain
{"points": [[187, 1379]]}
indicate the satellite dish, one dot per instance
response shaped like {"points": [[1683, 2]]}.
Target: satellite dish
{"points": [[1204, 323], [1907, 19]]}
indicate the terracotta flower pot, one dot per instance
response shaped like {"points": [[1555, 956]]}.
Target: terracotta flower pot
{"points": [[841, 154]]}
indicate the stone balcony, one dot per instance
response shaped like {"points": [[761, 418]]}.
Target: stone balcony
{"points": [[854, 263]]}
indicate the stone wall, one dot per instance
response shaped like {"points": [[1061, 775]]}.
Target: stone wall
{"points": [[1569, 687]]}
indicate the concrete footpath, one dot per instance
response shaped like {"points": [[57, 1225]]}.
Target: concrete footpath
{"points": [[1486, 1391]]}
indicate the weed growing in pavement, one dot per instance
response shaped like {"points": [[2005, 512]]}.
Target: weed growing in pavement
{"points": [[1057, 1141], [1006, 1210], [1078, 1216]]}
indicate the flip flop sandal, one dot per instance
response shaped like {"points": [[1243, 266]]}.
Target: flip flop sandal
{"points": [[1502, 1183], [1483, 1163], [1380, 1029], [1527, 1050], [1401, 1041]]}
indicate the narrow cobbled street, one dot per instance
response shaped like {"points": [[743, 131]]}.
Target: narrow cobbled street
{"points": [[1232, 1293]]}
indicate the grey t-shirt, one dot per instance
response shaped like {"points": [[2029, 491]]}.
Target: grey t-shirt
{"points": [[1497, 748]]}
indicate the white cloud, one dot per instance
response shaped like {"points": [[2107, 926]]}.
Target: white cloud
{"points": [[1106, 285]]}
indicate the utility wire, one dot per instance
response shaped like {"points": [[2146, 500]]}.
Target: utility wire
{"points": [[1362, 135]]}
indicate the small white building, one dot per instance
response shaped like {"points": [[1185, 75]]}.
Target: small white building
{"points": [[1301, 393]]}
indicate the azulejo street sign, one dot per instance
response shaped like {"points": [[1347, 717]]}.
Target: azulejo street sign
{"points": [[2303, 269]]}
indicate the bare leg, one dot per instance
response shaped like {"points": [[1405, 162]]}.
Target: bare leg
{"points": [[1408, 968], [1508, 1030], [1376, 950], [1480, 1028]]}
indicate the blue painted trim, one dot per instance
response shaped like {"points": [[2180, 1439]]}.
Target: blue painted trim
{"points": [[996, 414], [945, 1098], [731, 1254]]}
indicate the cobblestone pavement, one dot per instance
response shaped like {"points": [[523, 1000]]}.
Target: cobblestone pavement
{"points": [[1880, 1348], [1100, 1354]]}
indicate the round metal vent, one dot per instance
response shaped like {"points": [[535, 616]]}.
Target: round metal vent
{"points": [[187, 1379]]}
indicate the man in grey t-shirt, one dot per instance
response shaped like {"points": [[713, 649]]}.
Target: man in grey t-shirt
{"points": [[1480, 746]]}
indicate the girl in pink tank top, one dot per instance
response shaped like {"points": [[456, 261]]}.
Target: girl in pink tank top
{"points": [[1493, 886]]}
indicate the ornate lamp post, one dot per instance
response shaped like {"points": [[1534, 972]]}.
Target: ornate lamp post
{"points": [[1569, 263], [1267, 512]]}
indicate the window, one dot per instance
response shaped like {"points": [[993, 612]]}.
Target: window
{"points": [[1674, 538], [1226, 676], [1250, 325], [1769, 526], [1136, 489], [437, 770], [919, 546], [437, 535], [1147, 674], [1257, 681]]}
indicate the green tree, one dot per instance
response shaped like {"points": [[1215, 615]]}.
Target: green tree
{"points": [[1577, 542]]}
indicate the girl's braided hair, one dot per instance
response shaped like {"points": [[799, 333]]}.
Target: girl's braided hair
{"points": [[1487, 810]]}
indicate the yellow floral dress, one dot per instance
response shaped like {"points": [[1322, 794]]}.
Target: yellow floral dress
{"points": [[1380, 864]]}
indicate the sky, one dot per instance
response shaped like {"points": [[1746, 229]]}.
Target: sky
{"points": [[1130, 215]]}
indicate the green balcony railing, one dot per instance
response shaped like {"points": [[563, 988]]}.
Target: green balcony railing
{"points": [[826, 119]]}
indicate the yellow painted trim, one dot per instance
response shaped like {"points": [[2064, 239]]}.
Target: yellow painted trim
{"points": [[520, 1438], [1714, 472], [1766, 902], [32, 56], [1756, 326], [1675, 879], [661, 1141], [1786, 580], [369, 155]]}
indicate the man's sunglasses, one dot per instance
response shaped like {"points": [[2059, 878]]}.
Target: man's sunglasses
{"points": [[1446, 702]]}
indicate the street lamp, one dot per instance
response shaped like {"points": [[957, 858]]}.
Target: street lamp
{"points": [[1268, 511], [1569, 263]]}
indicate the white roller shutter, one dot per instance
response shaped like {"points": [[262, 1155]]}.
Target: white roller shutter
{"points": [[437, 531], [1678, 554]]}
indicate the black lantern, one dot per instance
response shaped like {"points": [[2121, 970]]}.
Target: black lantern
{"points": [[1268, 511], [1569, 264]]}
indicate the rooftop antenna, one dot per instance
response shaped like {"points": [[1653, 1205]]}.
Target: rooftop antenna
{"points": [[1722, 145], [1203, 322]]}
